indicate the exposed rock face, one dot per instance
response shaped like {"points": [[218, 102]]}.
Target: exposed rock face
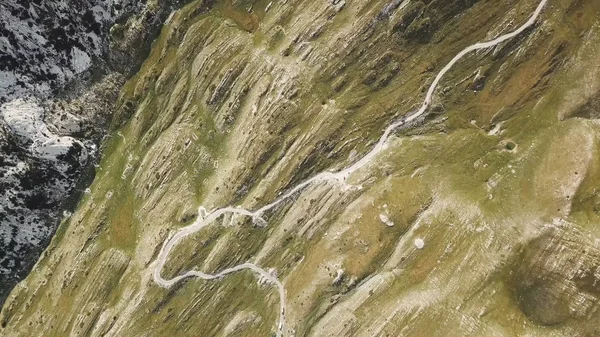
{"points": [[44, 44], [490, 204], [58, 85], [43, 158]]}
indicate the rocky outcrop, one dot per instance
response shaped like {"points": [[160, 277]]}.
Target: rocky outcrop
{"points": [[60, 74]]}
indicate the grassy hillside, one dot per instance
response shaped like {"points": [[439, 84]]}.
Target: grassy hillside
{"points": [[239, 101]]}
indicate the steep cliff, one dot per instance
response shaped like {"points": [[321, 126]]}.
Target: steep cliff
{"points": [[480, 218]]}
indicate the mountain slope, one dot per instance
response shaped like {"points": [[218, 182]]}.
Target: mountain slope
{"points": [[478, 220], [62, 65]]}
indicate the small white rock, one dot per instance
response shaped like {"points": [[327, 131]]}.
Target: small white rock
{"points": [[419, 243], [386, 220]]}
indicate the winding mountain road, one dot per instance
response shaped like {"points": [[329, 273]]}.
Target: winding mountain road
{"points": [[205, 218]]}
